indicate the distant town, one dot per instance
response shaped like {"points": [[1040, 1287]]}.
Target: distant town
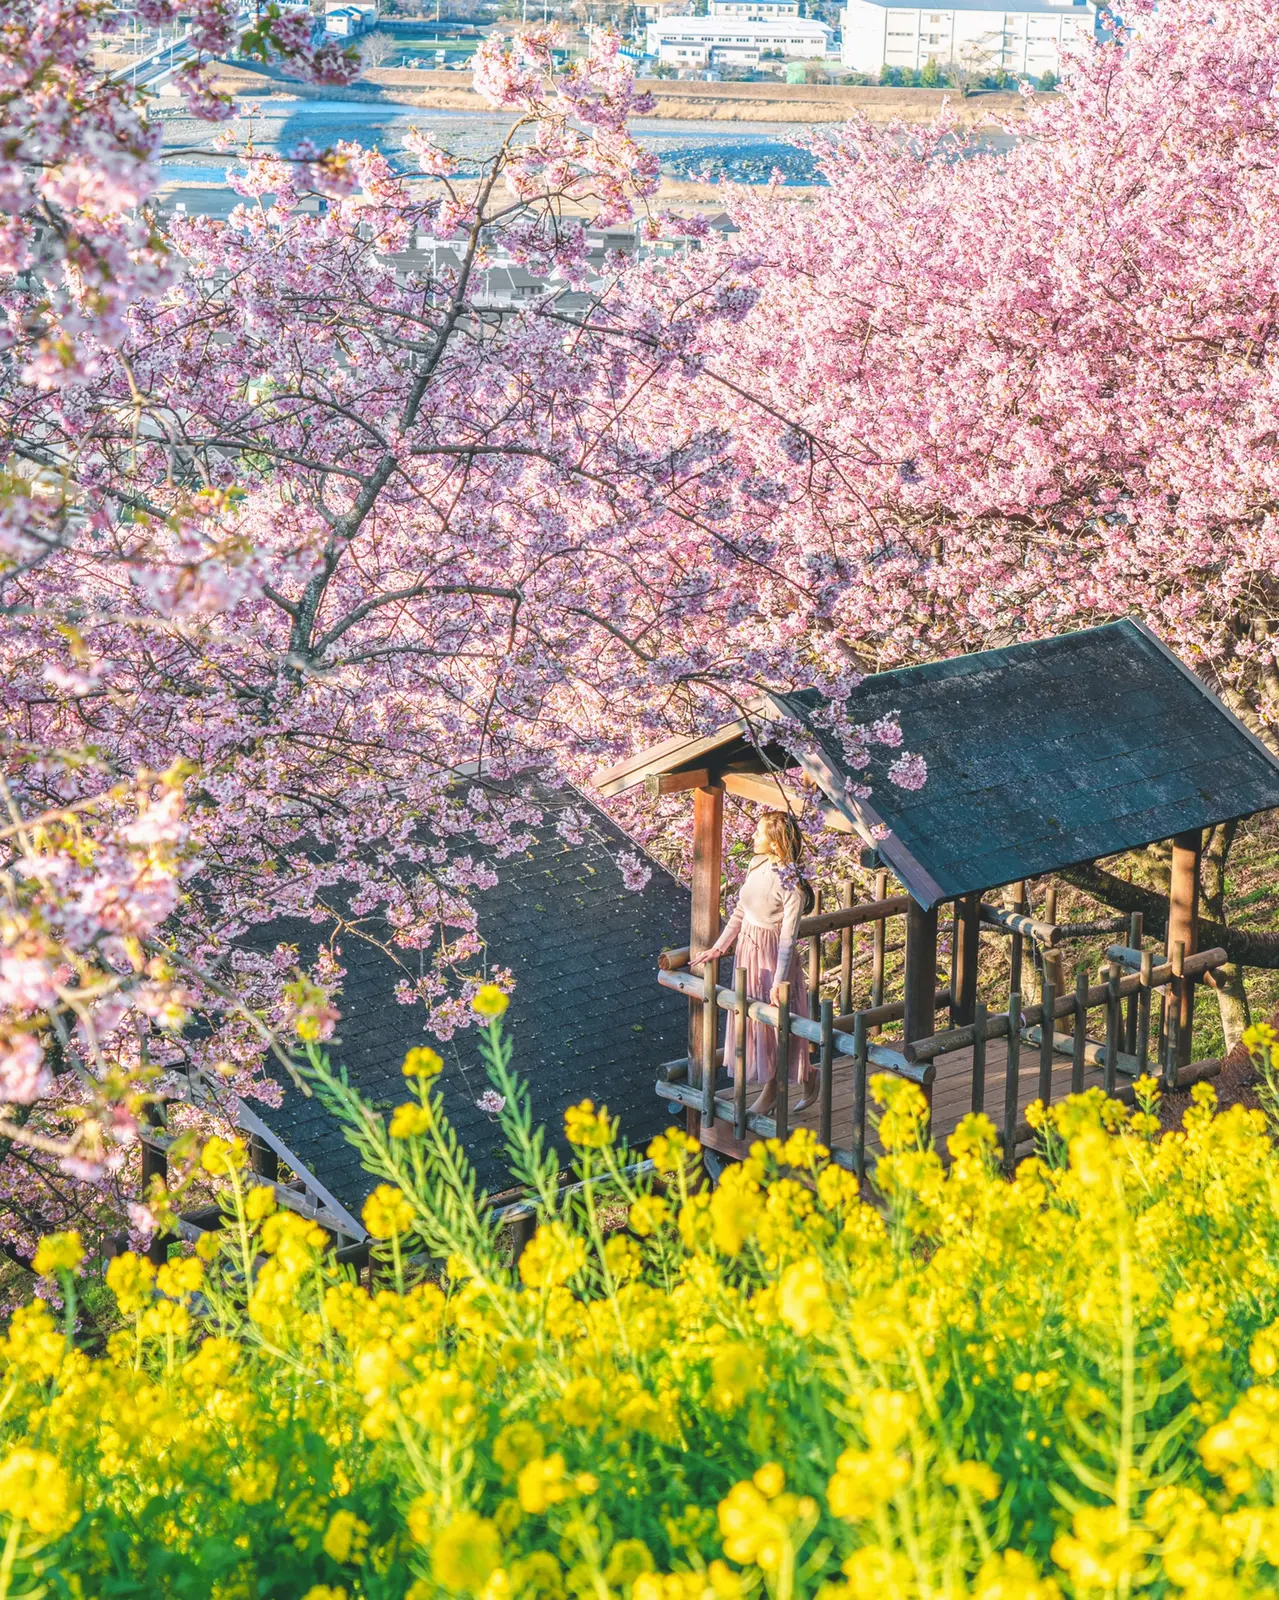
{"points": [[965, 46]]}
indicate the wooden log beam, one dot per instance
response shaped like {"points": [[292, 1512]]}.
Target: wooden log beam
{"points": [[1065, 931], [1094, 1054], [1097, 995], [1015, 922], [827, 922], [764, 790], [661, 783], [892, 1012], [854, 916]]}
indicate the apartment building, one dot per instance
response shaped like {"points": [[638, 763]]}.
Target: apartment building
{"points": [[1026, 39], [755, 10], [732, 41]]}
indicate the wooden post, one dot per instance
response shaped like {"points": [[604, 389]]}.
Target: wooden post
{"points": [[155, 1164], [815, 963], [1046, 1045], [1114, 1019], [1136, 932], [920, 1019], [979, 1056], [877, 949], [1142, 1050], [708, 863], [263, 1159], [1176, 993], [1053, 960], [1015, 899], [963, 959], [827, 1066], [522, 1230], [709, 1034], [1183, 928], [1012, 1080], [781, 1114], [1081, 1031], [739, 1052], [845, 955], [860, 1055]]}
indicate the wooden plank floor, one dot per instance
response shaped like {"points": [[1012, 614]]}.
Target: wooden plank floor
{"points": [[952, 1095]]}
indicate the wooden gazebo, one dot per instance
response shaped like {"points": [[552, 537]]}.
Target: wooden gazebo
{"points": [[1041, 756]]}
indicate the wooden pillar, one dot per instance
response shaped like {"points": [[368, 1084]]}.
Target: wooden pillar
{"points": [[1183, 927], [708, 860], [963, 960], [155, 1164], [920, 1019], [263, 1158]]}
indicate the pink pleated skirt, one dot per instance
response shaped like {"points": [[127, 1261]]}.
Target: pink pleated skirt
{"points": [[756, 951]]}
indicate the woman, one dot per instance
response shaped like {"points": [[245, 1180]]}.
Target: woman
{"points": [[763, 926]]}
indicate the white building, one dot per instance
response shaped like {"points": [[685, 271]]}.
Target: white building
{"points": [[755, 10], [1026, 39], [728, 41]]}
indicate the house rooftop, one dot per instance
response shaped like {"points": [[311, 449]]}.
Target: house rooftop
{"points": [[586, 1018]]}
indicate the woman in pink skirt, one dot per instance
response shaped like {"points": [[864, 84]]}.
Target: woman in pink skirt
{"points": [[763, 925]]}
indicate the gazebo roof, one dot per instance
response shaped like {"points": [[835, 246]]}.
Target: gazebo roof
{"points": [[1040, 756]]}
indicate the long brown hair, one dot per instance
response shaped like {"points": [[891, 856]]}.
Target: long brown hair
{"points": [[786, 845]]}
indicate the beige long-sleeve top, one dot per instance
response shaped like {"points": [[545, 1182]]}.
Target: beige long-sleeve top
{"points": [[771, 898]]}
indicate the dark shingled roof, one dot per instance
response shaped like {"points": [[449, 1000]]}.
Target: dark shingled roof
{"points": [[587, 1015], [1040, 756], [1045, 754]]}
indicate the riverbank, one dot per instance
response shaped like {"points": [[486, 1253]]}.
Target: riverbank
{"points": [[677, 100]]}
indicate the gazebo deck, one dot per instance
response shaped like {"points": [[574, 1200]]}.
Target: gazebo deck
{"points": [[952, 1096]]}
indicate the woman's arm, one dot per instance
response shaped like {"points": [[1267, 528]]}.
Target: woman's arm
{"points": [[792, 908], [725, 942]]}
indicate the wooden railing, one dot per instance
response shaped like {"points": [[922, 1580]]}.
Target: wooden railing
{"points": [[1126, 1051]]}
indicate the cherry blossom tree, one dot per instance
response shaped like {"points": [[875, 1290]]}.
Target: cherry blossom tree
{"points": [[315, 557], [1002, 393]]}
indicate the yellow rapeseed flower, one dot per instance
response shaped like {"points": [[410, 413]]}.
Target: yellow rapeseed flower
{"points": [[345, 1538], [669, 1151], [58, 1252], [465, 1552], [260, 1202], [410, 1120], [221, 1157], [422, 1062], [131, 1279], [516, 1445], [585, 1126], [180, 1277], [489, 1002], [1010, 1575], [804, 1297], [387, 1212], [552, 1256], [649, 1213], [36, 1490]]}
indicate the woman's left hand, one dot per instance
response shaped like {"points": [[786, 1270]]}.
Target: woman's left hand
{"points": [[775, 995]]}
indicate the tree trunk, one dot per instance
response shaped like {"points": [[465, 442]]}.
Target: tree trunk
{"points": [[1232, 997], [1246, 948]]}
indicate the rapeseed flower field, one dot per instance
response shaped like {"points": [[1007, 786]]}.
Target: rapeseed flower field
{"points": [[1064, 1385]]}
